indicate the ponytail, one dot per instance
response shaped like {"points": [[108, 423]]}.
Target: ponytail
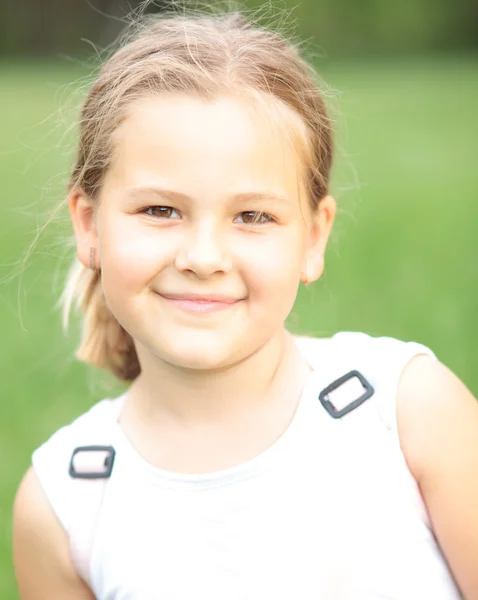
{"points": [[105, 343]]}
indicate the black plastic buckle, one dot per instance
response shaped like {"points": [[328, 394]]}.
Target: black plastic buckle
{"points": [[337, 413], [107, 464]]}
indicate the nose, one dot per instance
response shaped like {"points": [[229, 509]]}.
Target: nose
{"points": [[203, 252]]}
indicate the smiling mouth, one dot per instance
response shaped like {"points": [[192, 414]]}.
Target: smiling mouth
{"points": [[200, 304]]}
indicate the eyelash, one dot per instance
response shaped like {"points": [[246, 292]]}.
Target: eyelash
{"points": [[149, 211], [257, 215]]}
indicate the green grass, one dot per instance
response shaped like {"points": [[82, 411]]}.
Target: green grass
{"points": [[402, 262]]}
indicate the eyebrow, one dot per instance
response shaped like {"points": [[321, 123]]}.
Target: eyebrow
{"points": [[178, 196]]}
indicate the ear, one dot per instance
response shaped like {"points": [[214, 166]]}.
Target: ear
{"points": [[319, 232], [82, 215]]}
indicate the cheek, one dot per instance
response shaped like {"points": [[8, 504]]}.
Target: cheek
{"points": [[273, 266], [130, 254]]}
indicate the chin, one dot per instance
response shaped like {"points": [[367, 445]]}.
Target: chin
{"points": [[199, 352], [197, 360]]}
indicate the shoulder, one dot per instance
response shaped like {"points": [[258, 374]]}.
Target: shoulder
{"points": [[51, 460], [377, 347], [40, 547], [357, 344], [438, 427], [382, 359]]}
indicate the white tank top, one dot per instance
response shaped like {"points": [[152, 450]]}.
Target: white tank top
{"points": [[329, 511]]}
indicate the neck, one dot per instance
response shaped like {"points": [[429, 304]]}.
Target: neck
{"points": [[164, 391]]}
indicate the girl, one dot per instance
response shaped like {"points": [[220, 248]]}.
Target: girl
{"points": [[242, 462]]}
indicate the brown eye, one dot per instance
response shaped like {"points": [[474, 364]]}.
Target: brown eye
{"points": [[253, 217], [161, 212]]}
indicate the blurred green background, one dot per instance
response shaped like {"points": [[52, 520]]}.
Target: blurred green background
{"points": [[403, 258]]}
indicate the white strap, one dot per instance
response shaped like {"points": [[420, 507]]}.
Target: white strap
{"points": [[83, 530], [383, 377], [90, 493], [90, 471]]}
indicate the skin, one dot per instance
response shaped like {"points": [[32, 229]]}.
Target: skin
{"points": [[237, 363]]}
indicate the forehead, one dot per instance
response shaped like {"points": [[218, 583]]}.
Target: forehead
{"points": [[207, 146]]}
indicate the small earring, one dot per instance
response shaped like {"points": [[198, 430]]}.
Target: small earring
{"points": [[306, 278], [92, 259]]}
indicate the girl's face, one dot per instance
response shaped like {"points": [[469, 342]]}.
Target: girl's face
{"points": [[202, 230]]}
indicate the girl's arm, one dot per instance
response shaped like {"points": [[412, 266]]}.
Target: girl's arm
{"points": [[41, 550], [438, 427]]}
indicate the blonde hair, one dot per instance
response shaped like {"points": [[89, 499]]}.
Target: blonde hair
{"points": [[201, 54]]}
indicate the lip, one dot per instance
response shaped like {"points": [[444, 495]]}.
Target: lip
{"points": [[200, 304]]}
